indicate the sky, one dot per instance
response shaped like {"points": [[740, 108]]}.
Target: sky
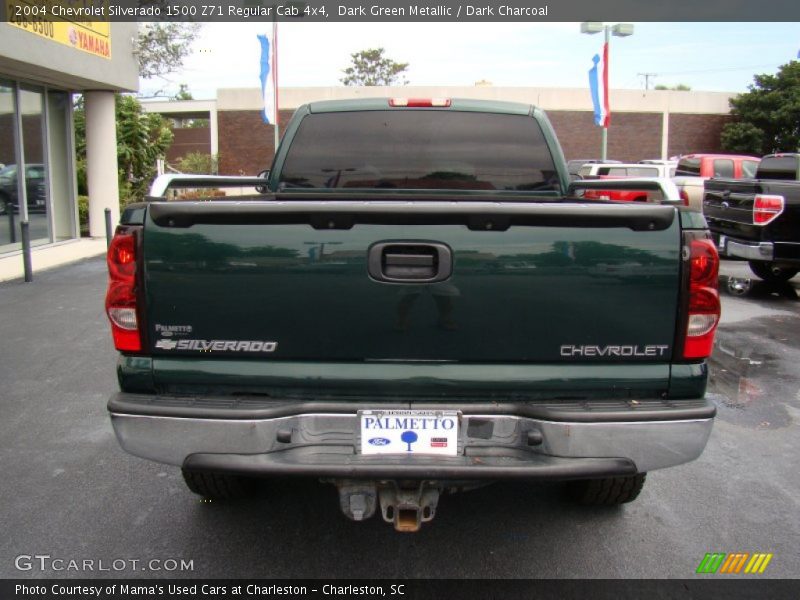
{"points": [[706, 56]]}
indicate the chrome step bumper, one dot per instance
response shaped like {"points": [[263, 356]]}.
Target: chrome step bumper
{"points": [[490, 446]]}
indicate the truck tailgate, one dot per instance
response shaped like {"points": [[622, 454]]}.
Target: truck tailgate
{"points": [[548, 282]]}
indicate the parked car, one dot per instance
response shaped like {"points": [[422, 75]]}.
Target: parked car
{"points": [[620, 170], [759, 219], [694, 169], [447, 333], [574, 165], [624, 171], [672, 164], [35, 188]]}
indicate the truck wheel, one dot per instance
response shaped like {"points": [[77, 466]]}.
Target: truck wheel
{"points": [[218, 486], [770, 272], [609, 491]]}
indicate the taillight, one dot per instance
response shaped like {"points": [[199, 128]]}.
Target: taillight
{"points": [[766, 208], [685, 197], [420, 102], [704, 307], [121, 294]]}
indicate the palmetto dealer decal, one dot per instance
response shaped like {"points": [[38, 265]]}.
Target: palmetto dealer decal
{"points": [[217, 345]]}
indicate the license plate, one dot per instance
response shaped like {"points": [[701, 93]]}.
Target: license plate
{"points": [[409, 432]]}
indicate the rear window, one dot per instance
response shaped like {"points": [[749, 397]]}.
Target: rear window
{"points": [[629, 171], [688, 167], [778, 167], [419, 149]]}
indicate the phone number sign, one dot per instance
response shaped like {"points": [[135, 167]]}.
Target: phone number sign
{"points": [[65, 22]]}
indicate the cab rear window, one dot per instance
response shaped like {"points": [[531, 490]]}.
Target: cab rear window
{"points": [[419, 149], [688, 167]]}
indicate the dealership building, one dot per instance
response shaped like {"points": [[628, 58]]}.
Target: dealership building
{"points": [[42, 65]]}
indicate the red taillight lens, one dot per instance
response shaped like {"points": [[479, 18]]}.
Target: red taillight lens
{"points": [[420, 102], [766, 208], [704, 263], [684, 197], [704, 308], [121, 294]]}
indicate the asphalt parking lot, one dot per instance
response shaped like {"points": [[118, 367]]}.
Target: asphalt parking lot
{"points": [[69, 492]]}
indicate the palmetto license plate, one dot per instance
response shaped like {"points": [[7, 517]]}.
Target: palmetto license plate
{"points": [[409, 432]]}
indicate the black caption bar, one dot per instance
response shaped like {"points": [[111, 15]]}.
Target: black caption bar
{"points": [[413, 589], [400, 11]]}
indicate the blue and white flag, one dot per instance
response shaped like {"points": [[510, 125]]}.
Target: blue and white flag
{"points": [[598, 86], [269, 77]]}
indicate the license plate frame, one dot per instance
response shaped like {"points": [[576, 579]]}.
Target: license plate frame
{"points": [[409, 432]]}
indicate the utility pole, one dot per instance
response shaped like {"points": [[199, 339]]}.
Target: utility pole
{"points": [[647, 77]]}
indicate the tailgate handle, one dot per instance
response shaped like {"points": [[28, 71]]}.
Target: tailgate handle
{"points": [[410, 262]]}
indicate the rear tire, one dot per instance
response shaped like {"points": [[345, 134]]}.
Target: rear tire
{"points": [[771, 272], [609, 491], [218, 486]]}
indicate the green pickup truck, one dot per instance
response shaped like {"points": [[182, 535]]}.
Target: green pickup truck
{"points": [[418, 301]]}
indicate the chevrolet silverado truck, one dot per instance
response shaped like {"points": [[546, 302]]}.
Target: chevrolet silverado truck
{"points": [[759, 219], [418, 303]]}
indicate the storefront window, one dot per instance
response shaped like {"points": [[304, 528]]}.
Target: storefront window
{"points": [[61, 186], [33, 147], [35, 123], [9, 236]]}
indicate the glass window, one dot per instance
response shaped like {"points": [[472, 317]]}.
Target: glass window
{"points": [[9, 233], [779, 167], [749, 168], [33, 148], [62, 203], [419, 149], [723, 168], [629, 172], [688, 167]]}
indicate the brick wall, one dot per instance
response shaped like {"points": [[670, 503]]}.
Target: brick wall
{"points": [[695, 133], [631, 137], [188, 140], [246, 143]]}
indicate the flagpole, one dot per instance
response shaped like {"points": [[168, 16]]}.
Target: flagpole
{"points": [[604, 138], [275, 76]]}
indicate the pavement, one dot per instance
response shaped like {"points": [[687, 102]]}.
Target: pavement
{"points": [[70, 493]]}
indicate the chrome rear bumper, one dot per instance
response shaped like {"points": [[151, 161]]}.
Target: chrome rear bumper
{"points": [[491, 446]]}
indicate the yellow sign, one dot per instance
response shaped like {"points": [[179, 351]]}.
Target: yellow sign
{"points": [[65, 22]]}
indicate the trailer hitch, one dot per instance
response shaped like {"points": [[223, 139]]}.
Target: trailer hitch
{"points": [[405, 506]]}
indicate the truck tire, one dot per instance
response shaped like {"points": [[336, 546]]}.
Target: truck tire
{"points": [[770, 272], [609, 491], [218, 486]]}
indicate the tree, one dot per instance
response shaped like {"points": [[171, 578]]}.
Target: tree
{"points": [[161, 47], [766, 119], [183, 93], [142, 138], [681, 87], [370, 67]]}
